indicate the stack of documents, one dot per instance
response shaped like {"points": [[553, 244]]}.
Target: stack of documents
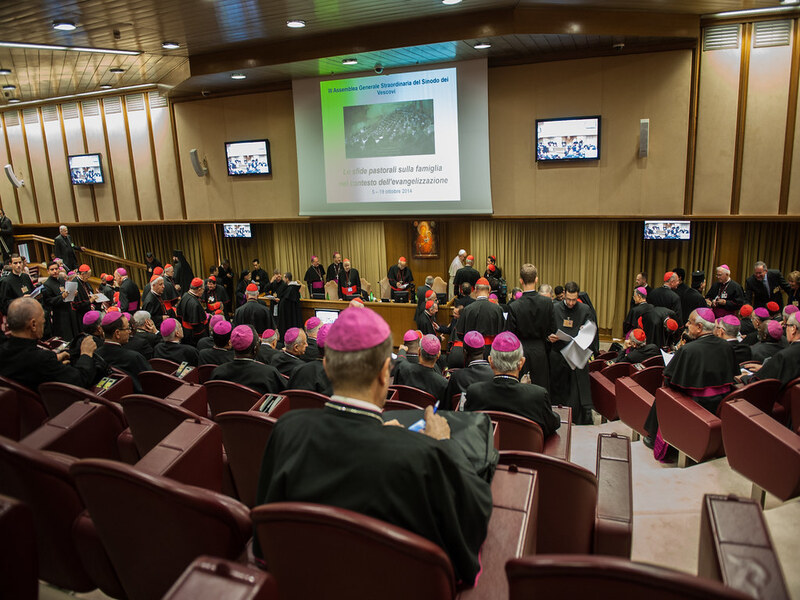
{"points": [[578, 351]]}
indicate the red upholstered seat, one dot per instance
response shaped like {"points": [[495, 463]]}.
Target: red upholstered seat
{"points": [[653, 361], [762, 394], [399, 405], [212, 578], [558, 577], [152, 419], [9, 413], [19, 569], [245, 436], [516, 433], [30, 408], [224, 396], [602, 387], [413, 395], [610, 355], [687, 426], [633, 404], [613, 530], [204, 372], [153, 527], [311, 550], [58, 396], [559, 444], [299, 399], [162, 365], [650, 378], [158, 384]]}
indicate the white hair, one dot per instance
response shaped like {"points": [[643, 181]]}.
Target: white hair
{"points": [[723, 269], [171, 337], [62, 227], [505, 362], [792, 320], [156, 280], [730, 331], [462, 252], [707, 325], [270, 339], [139, 317]]}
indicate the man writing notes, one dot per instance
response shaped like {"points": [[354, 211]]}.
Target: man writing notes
{"points": [[344, 456], [401, 280]]}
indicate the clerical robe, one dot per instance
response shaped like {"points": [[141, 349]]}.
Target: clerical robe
{"points": [[570, 387]]}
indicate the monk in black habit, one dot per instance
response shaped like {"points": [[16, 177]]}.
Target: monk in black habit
{"points": [[344, 456], [64, 321], [291, 356], [220, 353], [191, 313], [530, 318], [244, 369], [311, 376], [253, 311], [505, 393], [117, 332], [482, 316], [570, 387], [289, 314], [785, 365], [172, 348], [14, 285], [473, 369], [182, 273], [422, 375]]}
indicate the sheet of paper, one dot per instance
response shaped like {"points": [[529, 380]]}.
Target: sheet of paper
{"points": [[36, 291], [576, 356], [586, 334], [101, 298], [667, 357], [72, 290], [564, 337]]}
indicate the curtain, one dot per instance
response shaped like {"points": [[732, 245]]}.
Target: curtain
{"points": [[240, 252], [777, 244]]}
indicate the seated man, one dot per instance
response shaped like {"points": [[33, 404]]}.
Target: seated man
{"points": [[244, 369], [344, 456], [291, 357], [422, 375], [269, 343], [703, 368], [728, 329], [312, 326], [26, 363], [220, 352], [476, 369], [208, 341], [770, 334], [785, 365], [117, 332], [144, 336], [636, 349], [172, 348], [505, 393], [90, 327], [311, 375]]}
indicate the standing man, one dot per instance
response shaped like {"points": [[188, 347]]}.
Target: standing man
{"points": [[154, 303], [639, 309], [726, 296], [64, 323], [6, 235], [765, 285], [530, 318], [483, 316], [335, 268], [401, 281], [467, 274], [567, 386], [666, 296], [259, 276], [315, 280], [129, 295], [182, 272], [65, 249], [457, 263], [85, 300], [349, 281], [253, 312], [191, 313], [641, 281], [423, 296], [152, 264], [14, 285]]}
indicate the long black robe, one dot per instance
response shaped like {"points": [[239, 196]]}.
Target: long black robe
{"points": [[205, 343], [129, 296], [333, 272], [731, 292], [63, 319], [397, 275], [151, 266], [311, 376], [154, 304], [262, 378], [266, 353], [129, 361], [568, 387], [741, 351], [465, 274], [177, 353], [636, 312], [215, 356], [182, 273], [260, 278], [241, 288], [64, 249], [289, 309], [81, 304], [286, 363], [193, 318], [421, 291], [225, 280], [218, 294], [654, 329], [691, 300], [315, 281], [7, 237], [421, 377], [13, 287], [349, 284], [426, 323], [350, 460], [254, 313], [746, 327], [763, 350], [460, 380], [530, 318], [143, 342], [667, 298], [24, 362], [312, 350], [506, 394], [482, 316], [783, 366]]}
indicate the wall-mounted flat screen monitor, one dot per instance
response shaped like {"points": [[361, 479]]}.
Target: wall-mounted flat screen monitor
{"points": [[249, 157], [574, 138], [667, 230], [236, 230], [326, 316], [85, 169]]}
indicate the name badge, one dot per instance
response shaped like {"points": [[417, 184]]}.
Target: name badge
{"points": [[567, 323], [24, 289], [776, 290], [723, 295]]}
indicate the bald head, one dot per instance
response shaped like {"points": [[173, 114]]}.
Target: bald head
{"points": [[25, 318]]}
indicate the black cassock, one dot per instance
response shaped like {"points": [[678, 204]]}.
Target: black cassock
{"points": [[254, 313], [286, 363], [143, 342], [530, 318], [783, 366], [741, 351], [205, 343], [421, 377], [312, 351], [193, 318], [311, 376], [129, 296], [154, 304], [421, 291], [691, 300], [427, 324], [215, 356], [265, 354], [505, 393], [218, 294], [129, 361], [64, 249], [177, 353], [460, 380], [345, 457], [763, 350], [182, 273], [262, 378], [315, 280], [568, 387], [333, 272], [465, 274], [13, 287], [654, 329], [482, 316], [746, 326], [640, 354], [289, 309], [24, 362], [64, 321], [636, 312], [81, 304], [667, 298], [397, 276], [731, 292], [349, 284]]}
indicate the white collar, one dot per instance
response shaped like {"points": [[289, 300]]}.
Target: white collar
{"points": [[355, 403]]}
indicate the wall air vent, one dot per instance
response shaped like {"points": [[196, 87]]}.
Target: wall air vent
{"points": [[112, 105], [49, 113], [91, 108], [721, 37], [70, 111], [156, 100], [772, 33], [134, 102], [31, 116], [12, 118]]}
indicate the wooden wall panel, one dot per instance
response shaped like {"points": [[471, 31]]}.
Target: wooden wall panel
{"points": [[19, 161], [716, 131], [59, 171], [127, 193], [793, 207], [7, 198], [767, 98], [139, 132], [96, 142], [39, 175], [165, 158], [73, 129]]}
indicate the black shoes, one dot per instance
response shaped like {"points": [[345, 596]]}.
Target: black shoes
{"points": [[648, 441]]}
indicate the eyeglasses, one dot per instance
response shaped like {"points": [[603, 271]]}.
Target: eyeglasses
{"points": [[124, 329]]}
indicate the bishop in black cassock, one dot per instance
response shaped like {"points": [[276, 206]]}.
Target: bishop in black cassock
{"points": [[530, 318]]}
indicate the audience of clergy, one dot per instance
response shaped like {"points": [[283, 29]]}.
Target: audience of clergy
{"points": [[311, 376], [291, 356], [144, 336], [504, 392], [117, 332], [244, 369], [423, 374], [636, 349], [221, 351], [171, 347], [401, 281], [475, 368], [90, 327], [785, 364], [770, 341]]}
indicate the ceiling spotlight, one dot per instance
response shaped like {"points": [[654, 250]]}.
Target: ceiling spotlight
{"points": [[295, 23], [116, 70], [482, 46], [449, 2], [349, 61], [5, 71], [238, 76], [106, 86], [9, 88], [64, 25], [785, 2], [170, 45], [14, 100]]}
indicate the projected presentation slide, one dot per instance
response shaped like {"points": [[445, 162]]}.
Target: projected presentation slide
{"points": [[248, 158], [567, 139], [667, 230], [85, 169], [391, 138]]}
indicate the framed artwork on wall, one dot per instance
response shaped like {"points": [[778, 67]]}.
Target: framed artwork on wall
{"points": [[426, 239]]}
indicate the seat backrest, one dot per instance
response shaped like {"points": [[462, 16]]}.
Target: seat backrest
{"points": [[386, 289], [43, 482], [224, 396], [515, 432], [366, 286], [300, 539], [603, 356], [9, 413], [245, 436], [209, 577], [439, 285], [204, 372], [19, 569], [650, 378], [58, 396], [117, 389], [31, 410], [558, 577], [162, 365], [761, 393], [305, 399], [332, 290], [567, 502], [158, 384], [653, 361], [406, 393], [617, 370], [399, 405], [613, 531], [153, 527], [152, 419]]}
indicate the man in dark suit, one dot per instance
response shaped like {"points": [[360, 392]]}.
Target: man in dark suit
{"points": [[65, 249], [765, 285]]}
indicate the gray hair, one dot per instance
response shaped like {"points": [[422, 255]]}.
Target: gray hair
{"points": [[760, 265], [139, 318], [298, 340], [707, 325], [61, 228], [504, 362], [253, 294], [546, 289], [270, 339], [156, 280], [731, 331], [429, 280], [174, 334], [792, 320]]}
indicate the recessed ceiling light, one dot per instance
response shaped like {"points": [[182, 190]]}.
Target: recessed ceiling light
{"points": [[482, 46], [5, 71], [14, 100], [116, 70], [64, 25], [751, 12], [785, 2], [295, 23], [170, 45], [238, 76], [449, 2], [9, 88], [68, 48], [106, 86], [349, 61]]}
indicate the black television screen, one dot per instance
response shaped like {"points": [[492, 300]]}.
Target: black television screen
{"points": [[236, 230], [86, 169], [250, 157], [667, 230], [575, 138]]}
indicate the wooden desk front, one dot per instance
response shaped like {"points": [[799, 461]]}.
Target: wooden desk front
{"points": [[399, 316]]}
